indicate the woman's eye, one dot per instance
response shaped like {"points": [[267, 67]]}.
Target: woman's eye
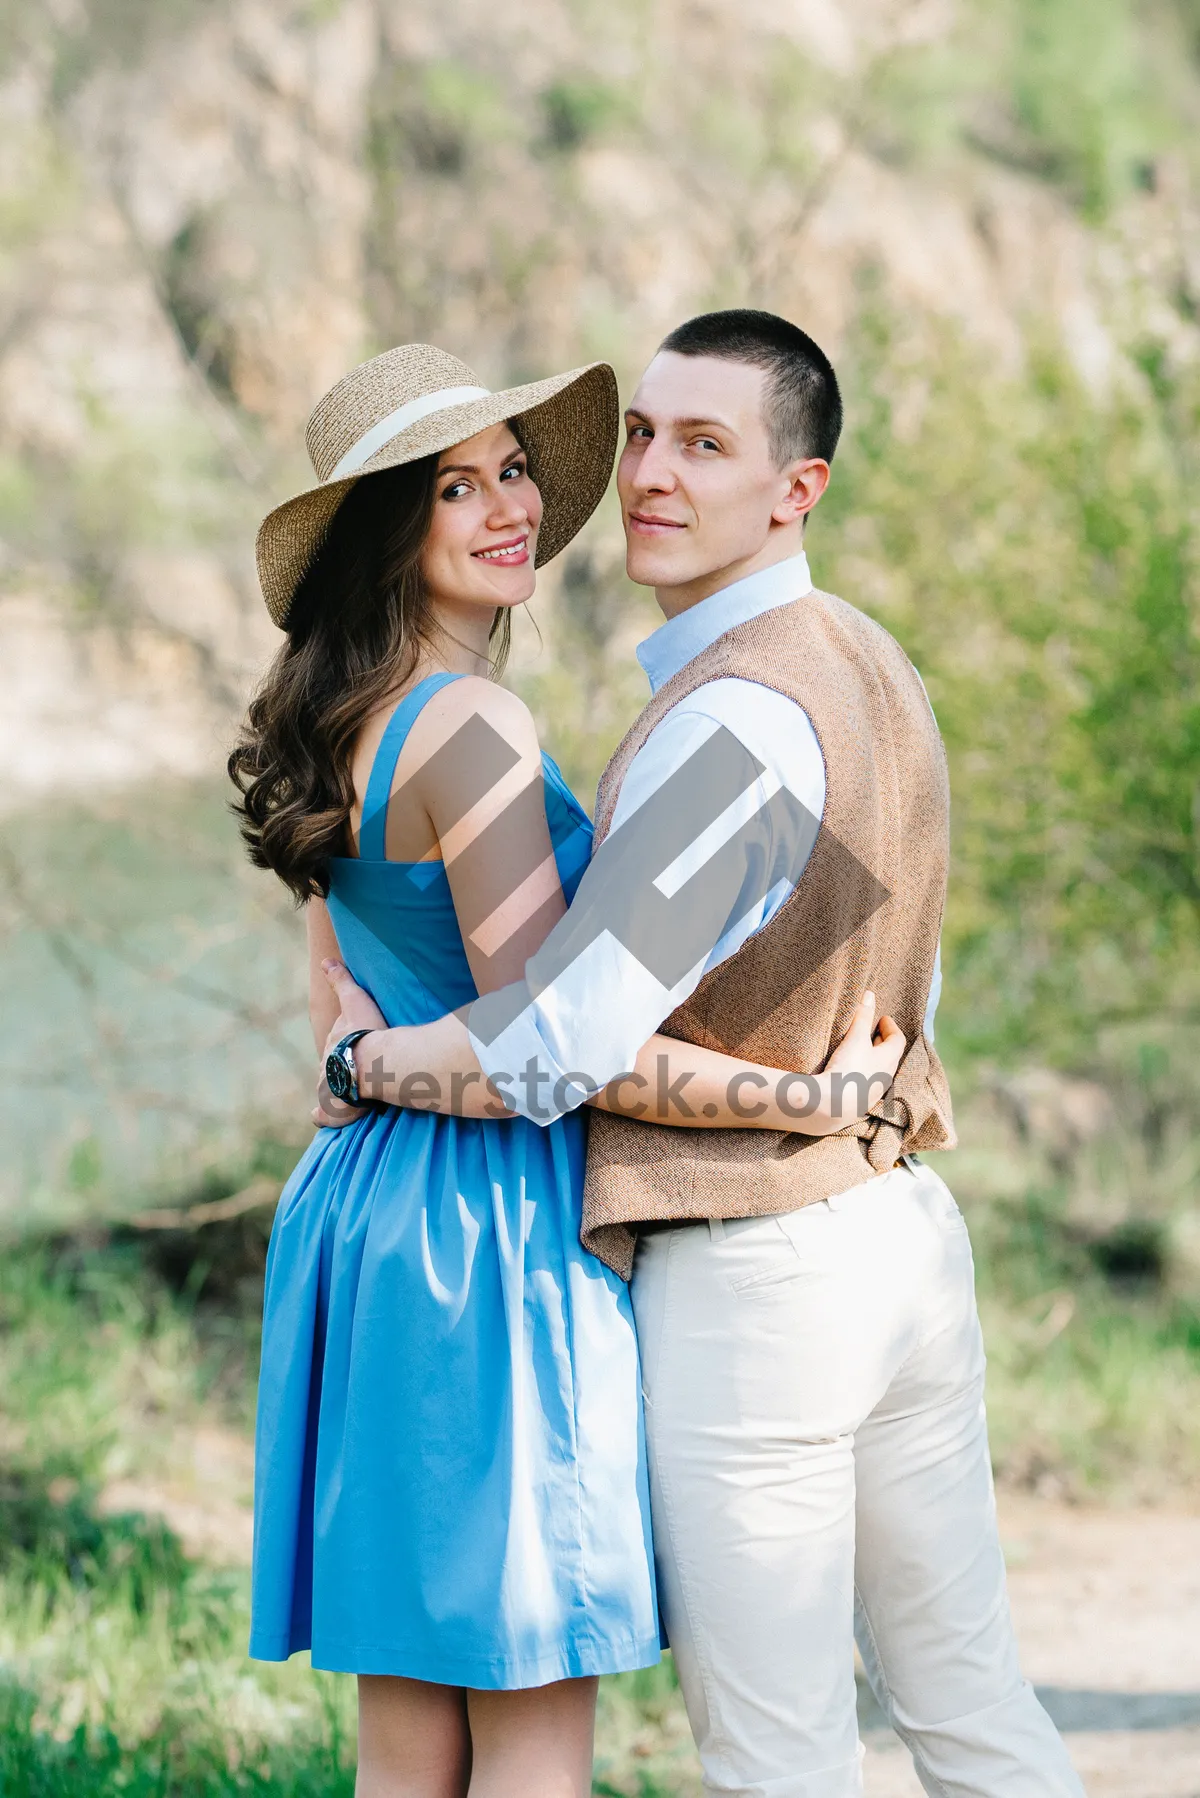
{"points": [[455, 490], [513, 472]]}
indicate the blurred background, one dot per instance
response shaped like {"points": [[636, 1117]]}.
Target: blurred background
{"points": [[988, 212]]}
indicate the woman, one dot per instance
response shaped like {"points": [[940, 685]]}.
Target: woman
{"points": [[450, 1487]]}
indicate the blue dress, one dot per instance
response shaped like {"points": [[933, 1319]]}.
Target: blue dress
{"points": [[450, 1477]]}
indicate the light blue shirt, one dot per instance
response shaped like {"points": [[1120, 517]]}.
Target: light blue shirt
{"points": [[593, 1018]]}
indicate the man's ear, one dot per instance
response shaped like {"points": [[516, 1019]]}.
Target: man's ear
{"points": [[806, 480]]}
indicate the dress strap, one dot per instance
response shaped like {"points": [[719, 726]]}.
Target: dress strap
{"points": [[372, 840]]}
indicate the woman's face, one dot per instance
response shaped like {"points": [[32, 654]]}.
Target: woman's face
{"points": [[483, 533]]}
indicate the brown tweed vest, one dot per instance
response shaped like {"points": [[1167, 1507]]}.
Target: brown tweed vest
{"points": [[786, 997]]}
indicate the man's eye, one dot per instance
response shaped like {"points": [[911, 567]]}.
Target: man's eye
{"points": [[707, 443], [640, 431]]}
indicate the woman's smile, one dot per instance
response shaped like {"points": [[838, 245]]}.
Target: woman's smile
{"points": [[513, 554]]}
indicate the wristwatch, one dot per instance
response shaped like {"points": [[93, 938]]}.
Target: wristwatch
{"points": [[341, 1075]]}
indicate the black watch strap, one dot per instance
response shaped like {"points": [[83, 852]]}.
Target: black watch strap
{"points": [[341, 1075]]}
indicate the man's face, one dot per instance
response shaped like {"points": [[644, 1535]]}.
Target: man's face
{"points": [[700, 490]]}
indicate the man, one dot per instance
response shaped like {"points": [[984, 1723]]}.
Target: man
{"points": [[812, 1361]]}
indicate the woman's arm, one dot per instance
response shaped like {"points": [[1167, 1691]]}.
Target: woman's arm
{"points": [[487, 814], [322, 948], [680, 1083], [503, 880], [501, 871], [432, 1067]]}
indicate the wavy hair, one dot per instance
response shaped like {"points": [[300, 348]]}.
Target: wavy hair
{"points": [[357, 623]]}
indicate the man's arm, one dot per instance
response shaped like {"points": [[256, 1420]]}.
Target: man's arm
{"points": [[716, 819], [433, 1067], [708, 840]]}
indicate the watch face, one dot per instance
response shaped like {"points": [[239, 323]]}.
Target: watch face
{"points": [[337, 1077]]}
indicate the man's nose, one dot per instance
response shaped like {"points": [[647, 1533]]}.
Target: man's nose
{"points": [[654, 472]]}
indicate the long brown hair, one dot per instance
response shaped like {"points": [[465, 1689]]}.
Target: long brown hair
{"points": [[354, 633]]}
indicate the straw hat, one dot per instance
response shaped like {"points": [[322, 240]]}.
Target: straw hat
{"points": [[417, 401]]}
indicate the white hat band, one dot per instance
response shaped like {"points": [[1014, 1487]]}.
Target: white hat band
{"points": [[399, 420]]}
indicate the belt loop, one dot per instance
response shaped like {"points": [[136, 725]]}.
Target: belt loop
{"points": [[716, 1229]]}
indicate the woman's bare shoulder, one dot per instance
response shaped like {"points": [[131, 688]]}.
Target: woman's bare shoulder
{"points": [[482, 712]]}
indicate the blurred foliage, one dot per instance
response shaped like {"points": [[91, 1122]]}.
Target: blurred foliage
{"points": [[162, 979], [124, 1656], [46, 1534], [124, 1665], [1083, 94], [110, 31], [38, 1761], [1033, 543], [1036, 551], [577, 111], [1092, 1376], [81, 517], [1079, 95]]}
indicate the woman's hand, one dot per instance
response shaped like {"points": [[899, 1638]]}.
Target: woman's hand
{"points": [[416, 1067], [869, 1053], [356, 1011], [682, 1085]]}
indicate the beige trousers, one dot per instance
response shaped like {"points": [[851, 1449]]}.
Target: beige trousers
{"points": [[819, 1471]]}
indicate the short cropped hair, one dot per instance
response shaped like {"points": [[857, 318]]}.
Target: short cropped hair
{"points": [[803, 408]]}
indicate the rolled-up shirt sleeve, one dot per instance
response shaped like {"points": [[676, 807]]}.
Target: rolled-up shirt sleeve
{"points": [[736, 771]]}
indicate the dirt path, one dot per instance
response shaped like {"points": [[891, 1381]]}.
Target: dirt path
{"points": [[1107, 1606]]}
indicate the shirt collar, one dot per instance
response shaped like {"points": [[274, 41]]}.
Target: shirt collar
{"points": [[677, 642]]}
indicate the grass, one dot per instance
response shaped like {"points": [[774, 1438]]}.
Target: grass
{"points": [[94, 1762], [127, 1369], [1087, 1272], [1094, 1375], [124, 1590], [1046, 584], [123, 1654]]}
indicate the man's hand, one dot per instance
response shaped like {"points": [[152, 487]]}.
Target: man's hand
{"points": [[356, 1011]]}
